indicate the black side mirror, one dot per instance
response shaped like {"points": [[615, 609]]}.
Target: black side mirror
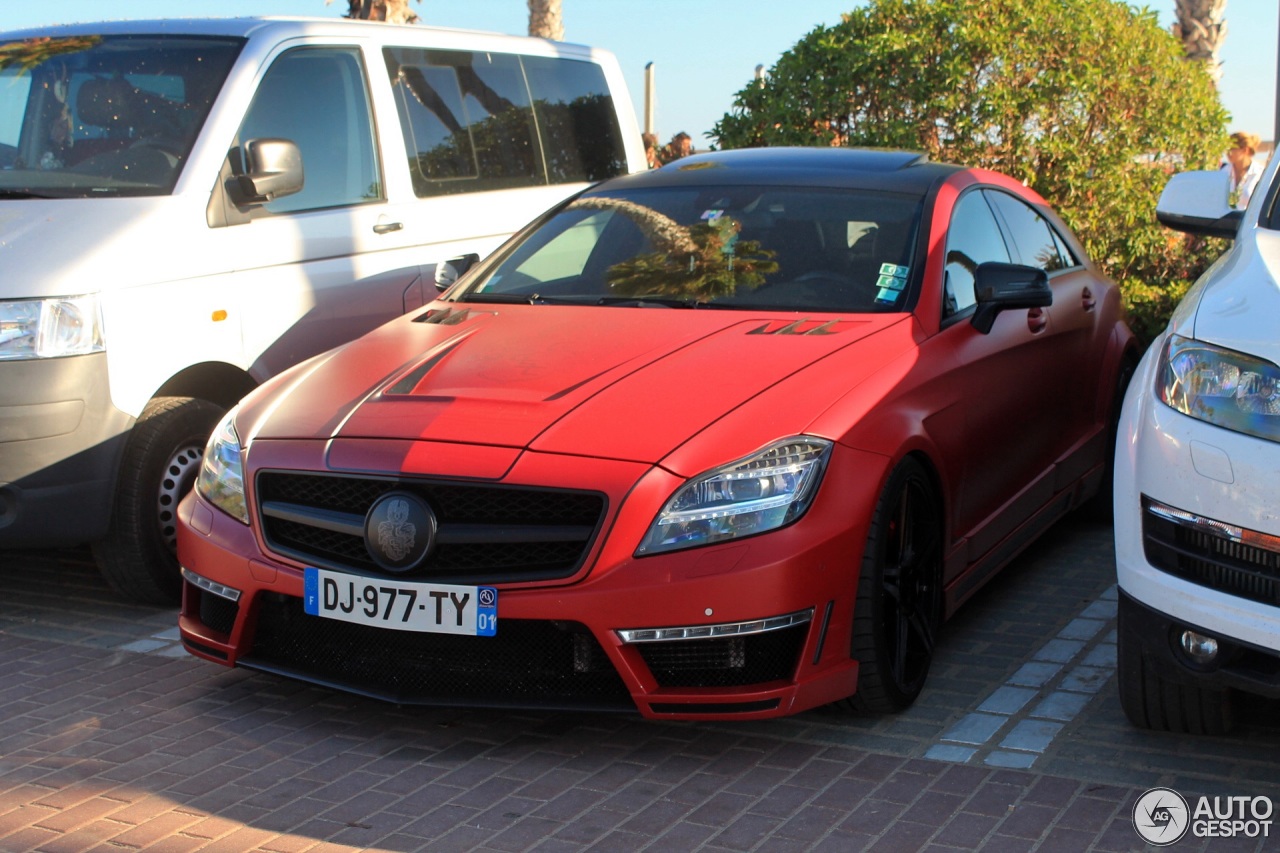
{"points": [[273, 168], [1000, 287]]}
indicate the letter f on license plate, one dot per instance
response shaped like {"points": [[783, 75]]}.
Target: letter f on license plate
{"points": [[401, 605]]}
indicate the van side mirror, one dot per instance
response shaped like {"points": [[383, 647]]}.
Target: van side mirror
{"points": [[1001, 287], [1199, 203], [273, 169], [447, 272]]}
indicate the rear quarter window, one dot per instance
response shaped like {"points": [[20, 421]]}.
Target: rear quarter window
{"points": [[474, 122]]}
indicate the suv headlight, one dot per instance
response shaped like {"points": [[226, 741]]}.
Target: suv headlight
{"points": [[1219, 386], [221, 480], [767, 490], [50, 328]]}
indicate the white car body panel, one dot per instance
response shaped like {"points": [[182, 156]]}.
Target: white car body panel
{"points": [[1193, 465]]}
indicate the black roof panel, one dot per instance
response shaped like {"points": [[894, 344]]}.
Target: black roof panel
{"points": [[901, 171]]}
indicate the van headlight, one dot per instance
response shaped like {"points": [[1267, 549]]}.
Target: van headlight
{"points": [[767, 490], [221, 480], [1220, 386], [50, 328]]}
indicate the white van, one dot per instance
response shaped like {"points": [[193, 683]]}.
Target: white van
{"points": [[187, 207]]}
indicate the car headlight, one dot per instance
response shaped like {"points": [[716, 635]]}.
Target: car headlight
{"points": [[50, 328], [767, 490], [221, 480], [1225, 388]]}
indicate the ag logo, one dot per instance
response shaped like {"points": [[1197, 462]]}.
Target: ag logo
{"points": [[399, 531], [1161, 816]]}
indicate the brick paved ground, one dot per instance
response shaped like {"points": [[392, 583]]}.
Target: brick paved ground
{"points": [[111, 739]]}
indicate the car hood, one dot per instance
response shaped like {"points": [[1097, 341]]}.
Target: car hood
{"points": [[1239, 302], [619, 383], [65, 247]]}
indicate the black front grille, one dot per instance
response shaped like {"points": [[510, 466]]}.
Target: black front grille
{"points": [[1195, 553], [528, 664], [725, 662], [487, 534]]}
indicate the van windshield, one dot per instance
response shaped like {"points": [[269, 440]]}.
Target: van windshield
{"points": [[92, 116]]}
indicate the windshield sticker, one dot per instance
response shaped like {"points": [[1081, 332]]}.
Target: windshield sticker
{"points": [[892, 278], [891, 283]]}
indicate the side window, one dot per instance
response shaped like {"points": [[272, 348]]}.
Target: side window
{"points": [[1068, 257], [1033, 239], [576, 119], [317, 98], [466, 119], [974, 238], [13, 108]]}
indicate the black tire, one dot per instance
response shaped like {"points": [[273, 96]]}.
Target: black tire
{"points": [[898, 608], [138, 557], [1151, 701]]}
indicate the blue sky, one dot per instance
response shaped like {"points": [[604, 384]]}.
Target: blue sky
{"points": [[703, 50]]}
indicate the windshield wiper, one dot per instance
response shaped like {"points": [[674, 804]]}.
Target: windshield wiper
{"points": [[651, 301], [502, 298]]}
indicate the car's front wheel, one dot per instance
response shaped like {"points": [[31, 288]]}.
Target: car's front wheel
{"points": [[898, 607], [1151, 701], [138, 557]]}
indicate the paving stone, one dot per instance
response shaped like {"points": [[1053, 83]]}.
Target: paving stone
{"points": [[141, 750]]}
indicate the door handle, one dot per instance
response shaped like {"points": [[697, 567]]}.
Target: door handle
{"points": [[1037, 319], [1087, 300], [387, 227]]}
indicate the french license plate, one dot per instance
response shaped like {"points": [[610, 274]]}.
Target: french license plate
{"points": [[402, 605]]}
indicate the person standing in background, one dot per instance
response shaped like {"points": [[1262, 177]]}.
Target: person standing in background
{"points": [[1245, 168], [651, 150]]}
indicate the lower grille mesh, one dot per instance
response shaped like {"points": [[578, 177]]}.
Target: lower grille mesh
{"points": [[529, 664], [727, 662]]}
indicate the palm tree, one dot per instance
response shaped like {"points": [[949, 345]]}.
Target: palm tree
{"points": [[545, 20], [391, 11], [1202, 26]]}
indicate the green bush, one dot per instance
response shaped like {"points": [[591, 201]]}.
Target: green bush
{"points": [[1089, 102]]}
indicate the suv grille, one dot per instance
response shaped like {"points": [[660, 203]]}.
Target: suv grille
{"points": [[487, 534], [527, 664], [1209, 553]]}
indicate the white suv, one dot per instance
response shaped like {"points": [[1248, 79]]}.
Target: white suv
{"points": [[1197, 478]]}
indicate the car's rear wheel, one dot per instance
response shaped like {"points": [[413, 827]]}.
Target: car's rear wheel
{"points": [[138, 557], [1151, 701], [898, 607]]}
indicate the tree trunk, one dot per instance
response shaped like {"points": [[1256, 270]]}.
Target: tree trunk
{"points": [[545, 20], [1202, 26]]}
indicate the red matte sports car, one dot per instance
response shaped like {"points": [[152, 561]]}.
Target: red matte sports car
{"points": [[727, 439]]}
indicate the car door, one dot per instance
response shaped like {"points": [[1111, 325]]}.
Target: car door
{"points": [[995, 435], [319, 267], [1070, 323]]}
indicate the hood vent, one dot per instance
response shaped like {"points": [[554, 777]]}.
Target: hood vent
{"points": [[445, 316], [800, 327]]}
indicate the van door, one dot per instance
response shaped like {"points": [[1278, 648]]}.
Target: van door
{"points": [[319, 267]]}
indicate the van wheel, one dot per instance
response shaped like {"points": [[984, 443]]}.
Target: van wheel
{"points": [[138, 557], [1151, 701], [898, 608]]}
